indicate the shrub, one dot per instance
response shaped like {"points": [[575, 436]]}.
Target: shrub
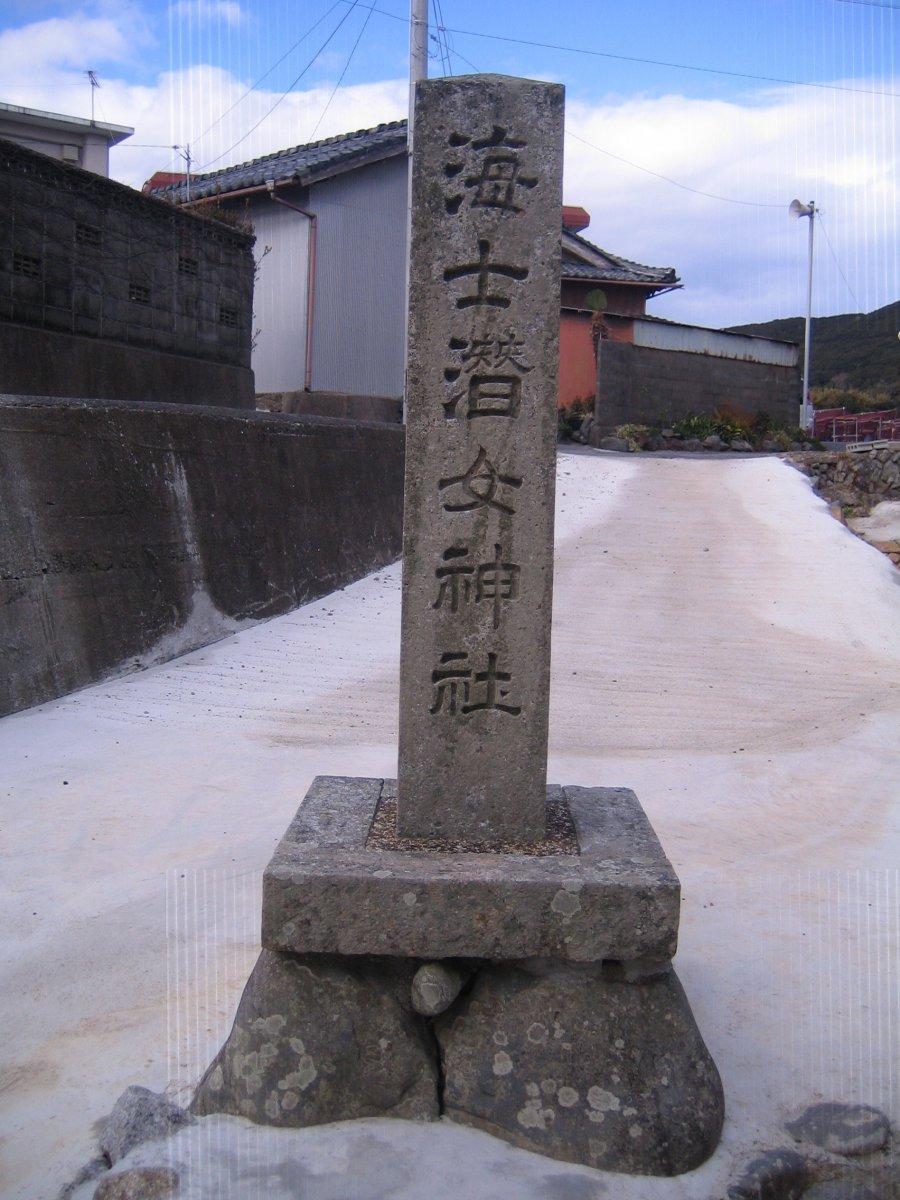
{"points": [[569, 420], [635, 435], [694, 425]]}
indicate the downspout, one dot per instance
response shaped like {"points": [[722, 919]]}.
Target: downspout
{"points": [[310, 276]]}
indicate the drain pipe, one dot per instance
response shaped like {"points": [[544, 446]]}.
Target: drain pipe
{"points": [[310, 276]]}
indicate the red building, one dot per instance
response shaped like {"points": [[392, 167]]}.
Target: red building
{"points": [[596, 283]]}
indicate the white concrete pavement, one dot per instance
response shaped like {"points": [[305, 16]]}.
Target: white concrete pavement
{"points": [[721, 645]]}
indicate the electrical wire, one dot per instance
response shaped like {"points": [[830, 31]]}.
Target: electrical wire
{"points": [[266, 74], [284, 94], [836, 263], [341, 76], [653, 62], [647, 171]]}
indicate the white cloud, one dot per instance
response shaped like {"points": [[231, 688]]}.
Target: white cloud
{"points": [[738, 262], [227, 11]]}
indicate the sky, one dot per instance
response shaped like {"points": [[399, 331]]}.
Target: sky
{"points": [[753, 102]]}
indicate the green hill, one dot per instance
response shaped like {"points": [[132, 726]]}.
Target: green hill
{"points": [[854, 350]]}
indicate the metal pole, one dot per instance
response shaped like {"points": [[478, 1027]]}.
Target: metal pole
{"points": [[806, 410], [418, 69]]}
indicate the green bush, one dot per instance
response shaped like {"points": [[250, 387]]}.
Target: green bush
{"points": [[635, 435]]}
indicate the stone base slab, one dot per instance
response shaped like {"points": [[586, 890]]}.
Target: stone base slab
{"points": [[325, 892]]}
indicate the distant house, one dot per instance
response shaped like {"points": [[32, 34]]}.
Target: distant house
{"points": [[596, 281], [71, 139], [329, 304]]}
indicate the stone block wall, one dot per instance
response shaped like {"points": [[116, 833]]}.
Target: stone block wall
{"points": [[861, 479], [130, 533], [85, 257], [642, 385]]}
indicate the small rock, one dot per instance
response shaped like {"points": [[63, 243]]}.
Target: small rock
{"points": [[741, 445], [769, 446], [139, 1115], [842, 1128], [614, 443], [839, 1189], [668, 433], [656, 443], [775, 1175], [140, 1183], [713, 442], [435, 986], [692, 444]]}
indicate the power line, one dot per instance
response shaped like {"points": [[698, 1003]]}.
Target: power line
{"points": [[267, 73], [284, 94], [342, 74], [871, 4], [836, 263], [653, 62], [647, 171], [685, 187]]}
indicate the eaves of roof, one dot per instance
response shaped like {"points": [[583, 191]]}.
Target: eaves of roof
{"points": [[299, 164], [587, 261]]}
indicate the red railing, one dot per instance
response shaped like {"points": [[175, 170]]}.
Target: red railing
{"points": [[837, 425]]}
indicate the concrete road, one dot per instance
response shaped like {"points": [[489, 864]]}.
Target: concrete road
{"points": [[721, 645]]}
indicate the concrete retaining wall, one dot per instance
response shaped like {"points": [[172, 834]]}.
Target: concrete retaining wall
{"points": [[131, 533], [42, 362], [641, 385], [333, 404]]}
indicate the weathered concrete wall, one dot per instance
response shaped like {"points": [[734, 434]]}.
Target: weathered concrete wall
{"points": [[333, 404], [638, 384], [43, 362], [130, 533], [102, 266]]}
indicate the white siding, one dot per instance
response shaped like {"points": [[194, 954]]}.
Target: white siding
{"points": [[692, 339], [279, 296], [361, 280]]}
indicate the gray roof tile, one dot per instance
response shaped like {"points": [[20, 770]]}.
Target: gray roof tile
{"points": [[333, 154]]}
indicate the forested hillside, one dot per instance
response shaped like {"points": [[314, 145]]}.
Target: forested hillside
{"points": [[854, 350]]}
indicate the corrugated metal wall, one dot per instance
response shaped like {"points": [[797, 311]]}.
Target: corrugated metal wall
{"points": [[279, 297], [359, 316], [692, 339]]}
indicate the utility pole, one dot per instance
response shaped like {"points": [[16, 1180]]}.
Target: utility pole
{"points": [[418, 52], [185, 152], [95, 83], [799, 209], [418, 69]]}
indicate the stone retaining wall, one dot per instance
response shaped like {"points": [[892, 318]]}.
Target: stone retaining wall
{"points": [[131, 533], [857, 480]]}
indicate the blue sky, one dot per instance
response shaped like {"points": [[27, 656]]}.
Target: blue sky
{"points": [[177, 70]]}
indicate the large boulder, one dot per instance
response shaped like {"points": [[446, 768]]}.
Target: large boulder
{"points": [[565, 1061], [317, 1040]]}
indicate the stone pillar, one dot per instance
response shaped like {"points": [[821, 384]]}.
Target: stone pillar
{"points": [[480, 459]]}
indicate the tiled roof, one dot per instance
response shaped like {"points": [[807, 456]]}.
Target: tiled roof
{"points": [[600, 264], [319, 159]]}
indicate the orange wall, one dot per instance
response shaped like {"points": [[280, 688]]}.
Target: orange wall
{"points": [[577, 366]]}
